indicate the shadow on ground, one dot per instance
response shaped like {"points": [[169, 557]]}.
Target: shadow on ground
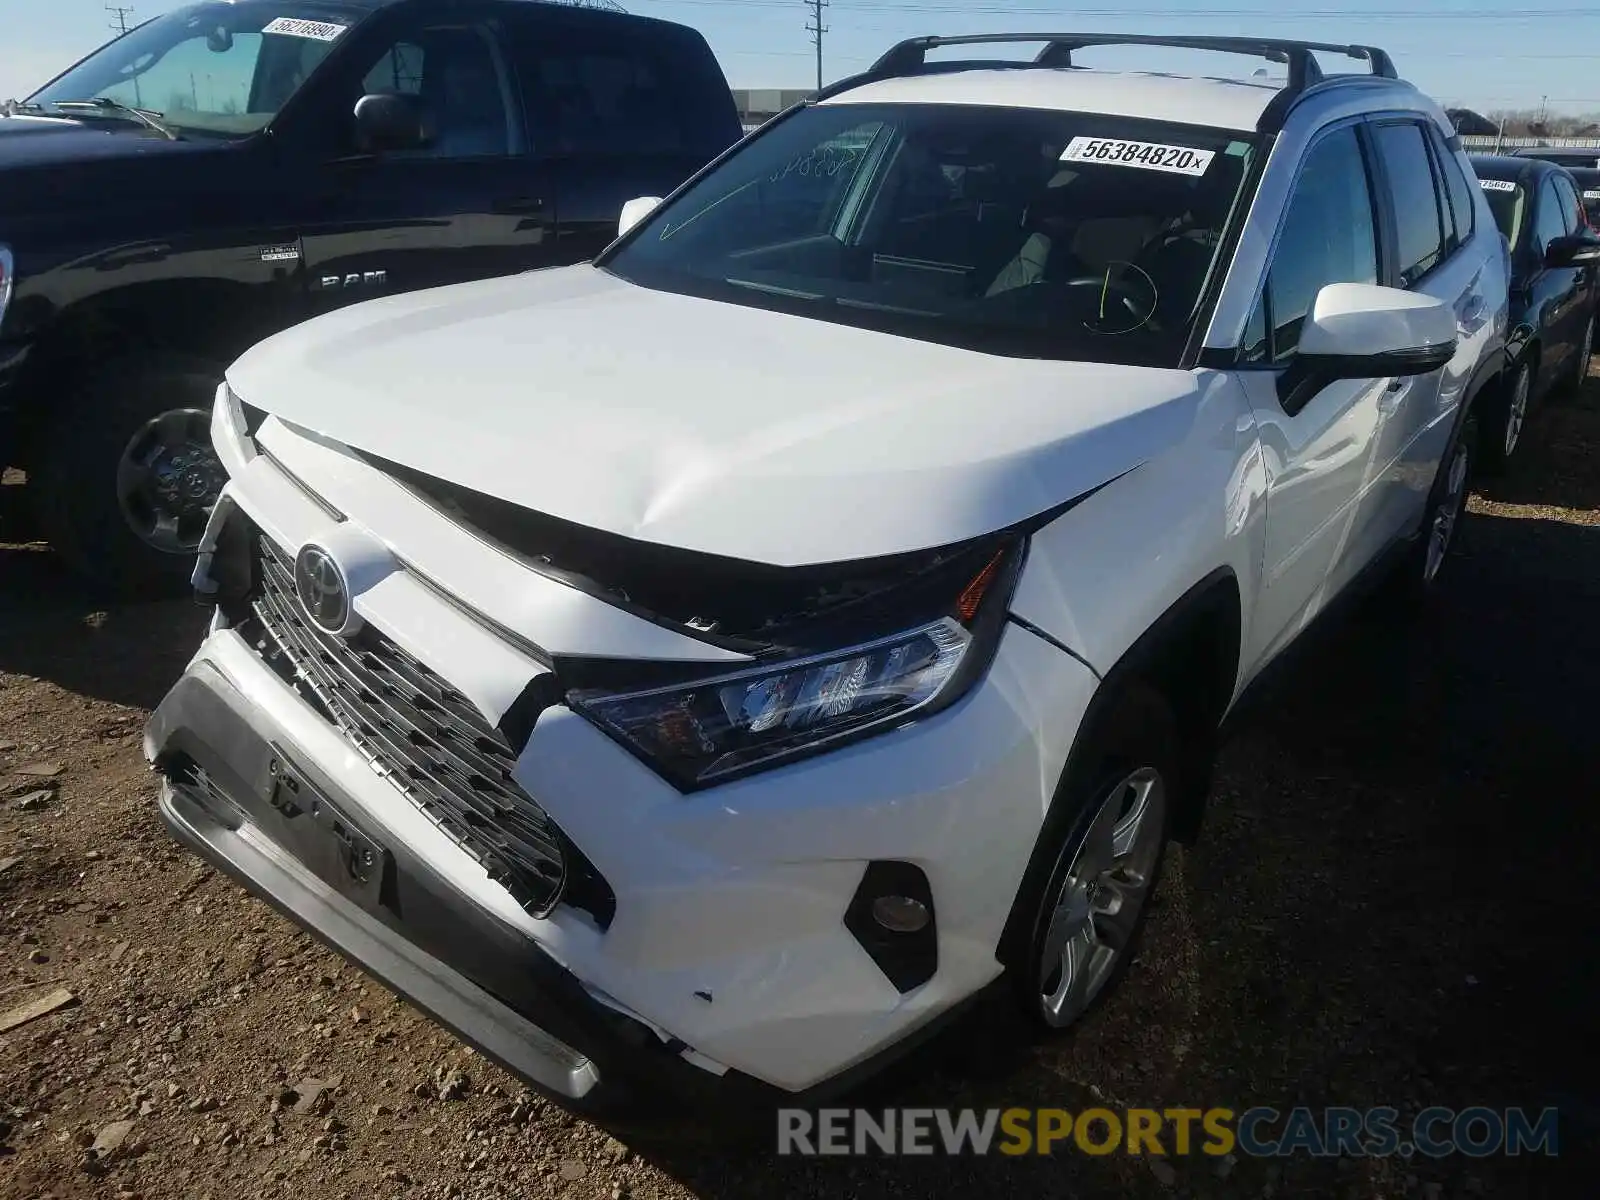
{"points": [[52, 628]]}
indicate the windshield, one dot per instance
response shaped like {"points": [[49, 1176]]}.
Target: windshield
{"points": [[1016, 231], [213, 68], [1507, 201]]}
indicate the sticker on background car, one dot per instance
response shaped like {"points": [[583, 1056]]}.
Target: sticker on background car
{"points": [[322, 31], [1497, 185]]}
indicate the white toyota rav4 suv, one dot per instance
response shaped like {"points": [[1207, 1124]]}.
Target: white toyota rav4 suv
{"points": [[703, 669]]}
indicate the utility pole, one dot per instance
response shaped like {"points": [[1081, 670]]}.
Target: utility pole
{"points": [[816, 29], [119, 24]]}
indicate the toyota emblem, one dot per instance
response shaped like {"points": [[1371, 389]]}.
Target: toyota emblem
{"points": [[322, 589]]}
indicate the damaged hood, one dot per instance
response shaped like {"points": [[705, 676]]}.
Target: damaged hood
{"points": [[712, 427]]}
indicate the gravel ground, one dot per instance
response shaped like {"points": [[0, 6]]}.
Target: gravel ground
{"points": [[1389, 906]]}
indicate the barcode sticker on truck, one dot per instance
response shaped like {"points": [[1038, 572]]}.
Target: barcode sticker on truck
{"points": [[1147, 156], [322, 31], [1498, 185], [1592, 195]]}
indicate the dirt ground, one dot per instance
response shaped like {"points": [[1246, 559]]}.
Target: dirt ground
{"points": [[1394, 903]]}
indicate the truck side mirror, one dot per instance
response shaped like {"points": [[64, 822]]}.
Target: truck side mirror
{"points": [[390, 121]]}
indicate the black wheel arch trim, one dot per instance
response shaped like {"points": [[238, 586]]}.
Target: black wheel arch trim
{"points": [[1133, 664]]}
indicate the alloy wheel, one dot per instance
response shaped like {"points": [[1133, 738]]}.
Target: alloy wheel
{"points": [[1096, 910], [1517, 409], [168, 480], [1448, 514]]}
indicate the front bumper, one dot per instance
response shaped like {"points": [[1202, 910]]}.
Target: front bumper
{"points": [[483, 980]]}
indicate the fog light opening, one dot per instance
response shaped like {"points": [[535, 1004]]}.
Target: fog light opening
{"points": [[901, 914], [893, 918]]}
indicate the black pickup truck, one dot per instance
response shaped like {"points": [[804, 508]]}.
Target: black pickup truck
{"points": [[230, 169]]}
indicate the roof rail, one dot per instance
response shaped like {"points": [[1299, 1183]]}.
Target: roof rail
{"points": [[911, 56]]}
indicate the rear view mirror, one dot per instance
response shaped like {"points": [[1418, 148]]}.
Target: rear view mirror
{"points": [[389, 121], [1574, 250], [1365, 331], [636, 210]]}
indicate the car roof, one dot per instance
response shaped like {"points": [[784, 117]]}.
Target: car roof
{"points": [[1504, 166], [1212, 101], [1187, 100]]}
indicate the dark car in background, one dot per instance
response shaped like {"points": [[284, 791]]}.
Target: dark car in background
{"points": [[1553, 265], [1580, 157], [230, 169]]}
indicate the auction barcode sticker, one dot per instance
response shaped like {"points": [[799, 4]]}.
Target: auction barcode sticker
{"points": [[1592, 195], [1148, 156], [322, 31], [1498, 185]]}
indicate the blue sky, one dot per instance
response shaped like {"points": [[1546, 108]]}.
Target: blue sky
{"points": [[1474, 52]]}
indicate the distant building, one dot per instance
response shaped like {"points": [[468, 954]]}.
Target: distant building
{"points": [[759, 105]]}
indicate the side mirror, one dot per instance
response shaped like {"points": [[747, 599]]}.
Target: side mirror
{"points": [[636, 210], [389, 121], [1574, 250], [1364, 331]]}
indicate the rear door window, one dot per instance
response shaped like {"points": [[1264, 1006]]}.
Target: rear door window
{"points": [[1416, 203], [1457, 192]]}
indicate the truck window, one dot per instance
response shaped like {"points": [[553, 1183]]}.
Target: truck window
{"points": [[459, 74], [622, 93]]}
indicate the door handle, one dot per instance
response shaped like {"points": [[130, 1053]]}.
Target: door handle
{"points": [[1389, 402], [1473, 309], [517, 206]]}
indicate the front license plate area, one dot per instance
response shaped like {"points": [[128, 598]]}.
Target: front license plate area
{"points": [[323, 837]]}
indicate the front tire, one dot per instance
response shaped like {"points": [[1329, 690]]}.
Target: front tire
{"points": [[1083, 916], [125, 475]]}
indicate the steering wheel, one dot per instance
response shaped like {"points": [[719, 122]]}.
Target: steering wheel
{"points": [[1126, 298]]}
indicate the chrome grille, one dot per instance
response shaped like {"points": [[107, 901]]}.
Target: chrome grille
{"points": [[424, 736]]}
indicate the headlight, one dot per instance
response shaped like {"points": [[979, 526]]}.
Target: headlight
{"points": [[712, 730]]}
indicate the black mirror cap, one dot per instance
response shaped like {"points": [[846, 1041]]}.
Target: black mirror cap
{"points": [[390, 121], [1575, 249], [1310, 373]]}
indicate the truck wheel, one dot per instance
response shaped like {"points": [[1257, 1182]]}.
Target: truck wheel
{"points": [[126, 477], [1083, 917]]}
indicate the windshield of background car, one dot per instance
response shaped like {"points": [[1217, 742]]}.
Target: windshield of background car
{"points": [[1508, 201], [1013, 231], [213, 68]]}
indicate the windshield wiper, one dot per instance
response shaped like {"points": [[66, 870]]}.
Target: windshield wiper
{"points": [[20, 108], [115, 108]]}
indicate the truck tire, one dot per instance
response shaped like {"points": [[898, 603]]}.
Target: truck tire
{"points": [[124, 475], [1114, 805]]}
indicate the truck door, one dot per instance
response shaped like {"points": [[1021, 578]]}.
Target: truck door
{"points": [[622, 110], [469, 204]]}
